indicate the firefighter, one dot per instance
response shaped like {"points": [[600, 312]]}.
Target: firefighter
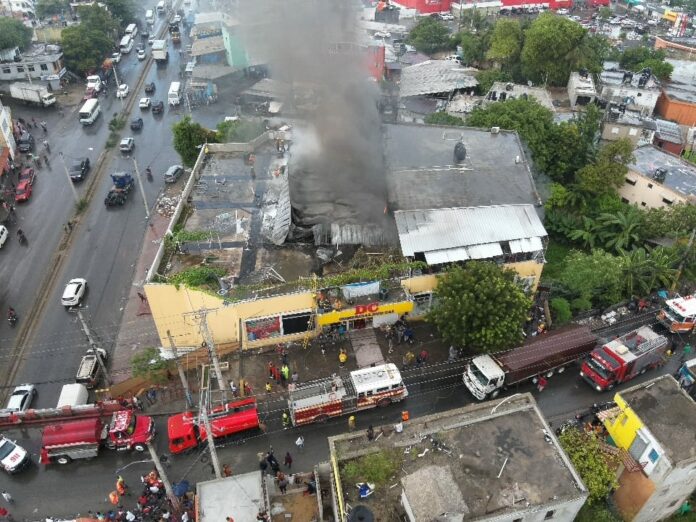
{"points": [[351, 423], [342, 357], [286, 420]]}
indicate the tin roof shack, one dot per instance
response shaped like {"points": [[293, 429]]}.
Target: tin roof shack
{"points": [[678, 99], [668, 136], [491, 461], [581, 89], [638, 91], [655, 422], [620, 123], [240, 497], [657, 179], [501, 91]]}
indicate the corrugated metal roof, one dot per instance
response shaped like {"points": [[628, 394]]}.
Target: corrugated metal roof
{"points": [[214, 44], [668, 131], [435, 76], [528, 244], [484, 251], [451, 228], [451, 255]]}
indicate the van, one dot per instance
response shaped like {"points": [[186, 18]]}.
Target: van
{"points": [[150, 16], [132, 30], [174, 96], [89, 111], [72, 395], [126, 44]]}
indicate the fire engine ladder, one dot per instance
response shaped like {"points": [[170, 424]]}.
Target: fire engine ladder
{"points": [[350, 399], [311, 324]]}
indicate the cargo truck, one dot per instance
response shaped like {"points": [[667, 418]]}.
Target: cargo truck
{"points": [[82, 439], [72, 395], [118, 194], [90, 369], [159, 51], [624, 358], [679, 314], [33, 94], [486, 375]]}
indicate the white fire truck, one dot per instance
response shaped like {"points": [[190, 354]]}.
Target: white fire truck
{"points": [[363, 389]]}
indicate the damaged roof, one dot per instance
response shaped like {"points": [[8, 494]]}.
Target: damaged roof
{"points": [[214, 44], [435, 77], [668, 131]]}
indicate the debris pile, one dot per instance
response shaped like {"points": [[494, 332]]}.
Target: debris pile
{"points": [[166, 205]]}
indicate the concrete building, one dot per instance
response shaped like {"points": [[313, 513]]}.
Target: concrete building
{"points": [[40, 62], [18, 8], [240, 497], [668, 137], [678, 99], [501, 91], [628, 124], [638, 92], [658, 179], [655, 423], [496, 461], [581, 89]]}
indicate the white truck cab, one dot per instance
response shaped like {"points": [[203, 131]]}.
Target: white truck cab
{"points": [[483, 377]]}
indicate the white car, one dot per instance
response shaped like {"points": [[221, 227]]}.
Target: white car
{"points": [[177, 19], [116, 57], [3, 235], [21, 398], [562, 11], [144, 103], [447, 17], [13, 458], [454, 58], [384, 35], [127, 144], [74, 292], [142, 54], [122, 91]]}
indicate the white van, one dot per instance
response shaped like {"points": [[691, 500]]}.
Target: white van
{"points": [[150, 16], [126, 44], [160, 7], [174, 96], [89, 111], [132, 30], [74, 394]]}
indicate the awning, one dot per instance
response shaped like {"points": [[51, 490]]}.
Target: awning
{"points": [[450, 255], [485, 251], [530, 244]]}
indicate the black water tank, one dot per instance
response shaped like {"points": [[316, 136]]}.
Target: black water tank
{"points": [[459, 151]]}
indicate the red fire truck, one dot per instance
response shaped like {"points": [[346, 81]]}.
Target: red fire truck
{"points": [[679, 314], [621, 359], [366, 388], [186, 432], [82, 439]]}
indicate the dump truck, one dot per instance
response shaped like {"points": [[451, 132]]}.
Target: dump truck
{"points": [[186, 430], [159, 51], [317, 401], [64, 442], [679, 314], [118, 193], [90, 369], [624, 358], [486, 375], [33, 94]]}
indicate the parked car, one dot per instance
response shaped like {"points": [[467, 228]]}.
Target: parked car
{"points": [[21, 398], [13, 457], [79, 169], [173, 173], [435, 16], [447, 17], [27, 175], [127, 144], [74, 292], [150, 88], [383, 35], [158, 107], [4, 234], [145, 35], [144, 103], [116, 57], [142, 54], [122, 91], [136, 124], [23, 192], [25, 142]]}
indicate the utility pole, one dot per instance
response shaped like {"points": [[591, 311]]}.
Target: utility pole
{"points": [[222, 382], [176, 507], [94, 345], [70, 182], [182, 374], [686, 255], [142, 189], [211, 441], [117, 85]]}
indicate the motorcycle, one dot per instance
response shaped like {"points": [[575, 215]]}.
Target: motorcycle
{"points": [[21, 237], [12, 319], [148, 173]]}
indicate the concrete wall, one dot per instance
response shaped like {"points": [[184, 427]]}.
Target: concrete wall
{"points": [[612, 131], [648, 193], [676, 487], [624, 427], [562, 511], [675, 110]]}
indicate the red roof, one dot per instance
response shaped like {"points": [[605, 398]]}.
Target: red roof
{"points": [[87, 431]]}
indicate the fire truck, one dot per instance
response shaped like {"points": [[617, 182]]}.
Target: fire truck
{"points": [[185, 431], [623, 358], [82, 439], [363, 389], [679, 314]]}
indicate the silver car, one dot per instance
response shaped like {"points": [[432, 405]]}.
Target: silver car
{"points": [[21, 398]]}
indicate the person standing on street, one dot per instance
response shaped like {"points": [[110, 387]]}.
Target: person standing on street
{"points": [[541, 383], [288, 460], [286, 420], [8, 498], [300, 443], [686, 352], [351, 423]]}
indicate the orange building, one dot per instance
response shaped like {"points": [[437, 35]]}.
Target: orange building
{"points": [[677, 105]]}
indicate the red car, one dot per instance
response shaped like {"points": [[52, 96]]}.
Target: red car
{"points": [[23, 192], [27, 175]]}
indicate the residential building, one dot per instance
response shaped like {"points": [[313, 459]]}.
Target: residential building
{"points": [[618, 124], [668, 137], [7, 140], [581, 89], [19, 8], [241, 497], [678, 99], [437, 78], [637, 91], [654, 422], [495, 461], [426, 6], [501, 91], [40, 62], [658, 179]]}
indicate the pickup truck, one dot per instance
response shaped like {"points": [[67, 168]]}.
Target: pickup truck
{"points": [[90, 370]]}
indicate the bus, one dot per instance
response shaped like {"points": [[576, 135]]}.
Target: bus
{"points": [[160, 7], [174, 96], [150, 16], [132, 30], [126, 44], [90, 111]]}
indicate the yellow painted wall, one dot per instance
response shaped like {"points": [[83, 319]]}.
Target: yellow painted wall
{"points": [[528, 269], [623, 428], [420, 284]]}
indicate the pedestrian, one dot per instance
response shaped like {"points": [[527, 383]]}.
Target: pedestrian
{"points": [[541, 383], [342, 358], [276, 374], [407, 359], [8, 498], [300, 443], [120, 486], [295, 377], [452, 354], [263, 465], [269, 388], [5, 514], [286, 420], [284, 355], [227, 470], [235, 391], [151, 395], [283, 485], [270, 370], [351, 423], [44, 127], [142, 297], [370, 433], [686, 352], [33, 121], [288, 460], [70, 226], [285, 371]]}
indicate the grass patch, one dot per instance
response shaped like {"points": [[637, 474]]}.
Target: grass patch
{"points": [[81, 206], [117, 123], [377, 468], [556, 254], [113, 140]]}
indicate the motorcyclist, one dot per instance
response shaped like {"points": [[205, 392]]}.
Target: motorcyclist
{"points": [[11, 314], [20, 234]]}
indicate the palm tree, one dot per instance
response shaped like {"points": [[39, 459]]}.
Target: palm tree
{"points": [[646, 270], [620, 231], [587, 234]]}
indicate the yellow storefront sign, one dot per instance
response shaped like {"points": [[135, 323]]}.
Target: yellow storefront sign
{"points": [[362, 311]]}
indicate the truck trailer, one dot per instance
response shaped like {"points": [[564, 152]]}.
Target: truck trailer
{"points": [[33, 94], [159, 51], [89, 371], [623, 358], [679, 314], [486, 375]]}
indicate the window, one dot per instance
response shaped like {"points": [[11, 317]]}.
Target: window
{"points": [[633, 132], [667, 201], [625, 200], [295, 323], [549, 515], [650, 185], [31, 68], [44, 67], [654, 456], [631, 181], [20, 68], [6, 70], [380, 390], [624, 419], [642, 204], [614, 130]]}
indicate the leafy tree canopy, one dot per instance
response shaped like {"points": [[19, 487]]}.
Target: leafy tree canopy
{"points": [[84, 48], [239, 131], [474, 46], [189, 136], [13, 33], [122, 10], [480, 306], [442, 118], [488, 77], [430, 36], [46, 8], [607, 173], [149, 364], [596, 277], [506, 42]]}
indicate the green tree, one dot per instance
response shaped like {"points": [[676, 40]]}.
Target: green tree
{"points": [[13, 33], [621, 230], [488, 77], [189, 137], [553, 47], [661, 69], [647, 270], [239, 131], [607, 173], [149, 365], [506, 42], [632, 57], [595, 277], [587, 233], [474, 21], [474, 47], [442, 118], [605, 13], [430, 36], [46, 8], [480, 306], [122, 10], [86, 44], [561, 310]]}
